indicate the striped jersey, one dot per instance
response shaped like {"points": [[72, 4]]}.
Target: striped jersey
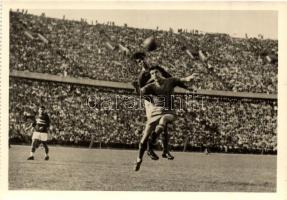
{"points": [[41, 123]]}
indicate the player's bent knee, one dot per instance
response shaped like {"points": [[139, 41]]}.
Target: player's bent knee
{"points": [[169, 118], [166, 119], [159, 129]]}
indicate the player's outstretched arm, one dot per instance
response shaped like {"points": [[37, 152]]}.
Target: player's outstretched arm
{"points": [[188, 78]]}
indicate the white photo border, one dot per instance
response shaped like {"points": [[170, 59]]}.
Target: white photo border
{"points": [[281, 7]]}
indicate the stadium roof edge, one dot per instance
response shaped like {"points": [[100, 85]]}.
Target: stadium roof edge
{"points": [[128, 86]]}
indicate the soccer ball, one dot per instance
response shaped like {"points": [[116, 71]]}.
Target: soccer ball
{"points": [[150, 44]]}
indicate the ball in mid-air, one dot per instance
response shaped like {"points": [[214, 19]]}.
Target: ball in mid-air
{"points": [[150, 44]]}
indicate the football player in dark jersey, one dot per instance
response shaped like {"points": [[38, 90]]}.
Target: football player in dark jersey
{"points": [[144, 79], [162, 111], [41, 123]]}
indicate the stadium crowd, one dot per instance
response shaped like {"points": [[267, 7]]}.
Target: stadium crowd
{"points": [[102, 51], [116, 117]]}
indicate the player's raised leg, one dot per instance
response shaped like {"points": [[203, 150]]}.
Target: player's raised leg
{"points": [[164, 120]]}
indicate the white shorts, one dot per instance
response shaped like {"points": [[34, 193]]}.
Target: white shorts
{"points": [[40, 136], [148, 109], [156, 119]]}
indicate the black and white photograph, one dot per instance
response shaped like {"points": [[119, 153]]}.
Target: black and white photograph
{"points": [[143, 99]]}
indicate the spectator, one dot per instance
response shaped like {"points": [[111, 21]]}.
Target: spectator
{"points": [[226, 124], [76, 48]]}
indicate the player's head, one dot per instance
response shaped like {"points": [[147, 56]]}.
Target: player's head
{"points": [[139, 57], [155, 73], [41, 110], [140, 62]]}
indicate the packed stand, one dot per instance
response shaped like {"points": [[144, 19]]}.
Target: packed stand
{"points": [[116, 118], [103, 52]]}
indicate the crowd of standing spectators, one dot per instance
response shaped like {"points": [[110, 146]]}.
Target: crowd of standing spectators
{"points": [[102, 51], [117, 117]]}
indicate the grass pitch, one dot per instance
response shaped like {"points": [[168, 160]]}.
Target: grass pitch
{"points": [[112, 170]]}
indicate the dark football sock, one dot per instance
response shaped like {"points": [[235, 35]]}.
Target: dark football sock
{"points": [[35, 145], [152, 141], [46, 148], [165, 139], [142, 148]]}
